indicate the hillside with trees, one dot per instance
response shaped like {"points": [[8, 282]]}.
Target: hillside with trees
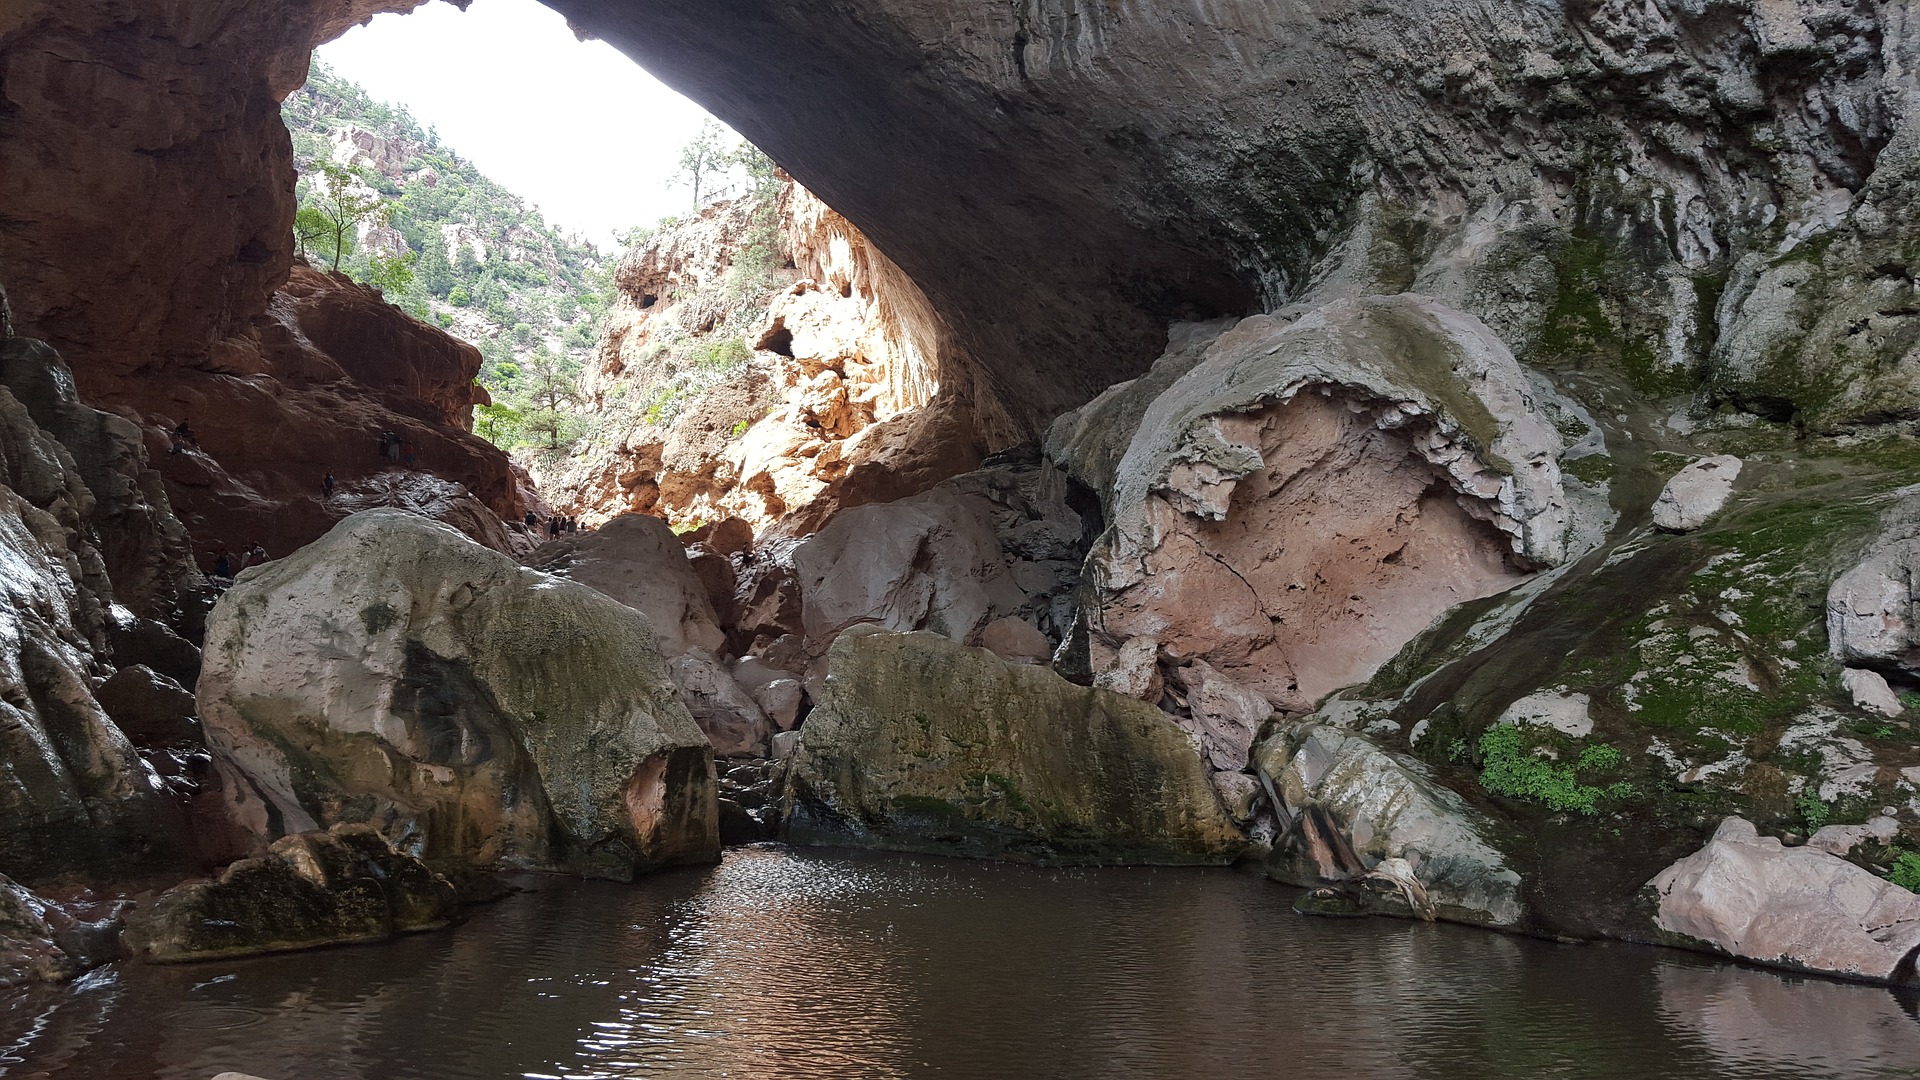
{"points": [[384, 201]]}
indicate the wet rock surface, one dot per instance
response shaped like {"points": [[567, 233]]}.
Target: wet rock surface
{"points": [[477, 712], [1386, 807], [344, 886], [922, 744]]}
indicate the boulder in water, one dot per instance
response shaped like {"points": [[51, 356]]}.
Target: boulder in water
{"points": [[479, 712], [922, 744], [1750, 896], [340, 887], [1390, 809]]}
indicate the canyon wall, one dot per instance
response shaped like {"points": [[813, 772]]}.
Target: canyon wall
{"points": [[764, 361], [148, 239]]}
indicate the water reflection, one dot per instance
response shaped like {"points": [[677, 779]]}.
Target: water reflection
{"points": [[809, 964]]}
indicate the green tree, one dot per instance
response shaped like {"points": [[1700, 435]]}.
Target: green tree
{"points": [[546, 390], [340, 204], [391, 274], [703, 159], [762, 174]]}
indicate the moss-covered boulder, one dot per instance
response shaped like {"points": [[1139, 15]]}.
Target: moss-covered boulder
{"points": [[477, 712], [922, 744], [341, 887]]}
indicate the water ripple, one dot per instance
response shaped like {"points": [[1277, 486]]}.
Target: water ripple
{"points": [[800, 964]]}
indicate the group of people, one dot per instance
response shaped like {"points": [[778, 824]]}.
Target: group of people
{"points": [[224, 565], [396, 450], [557, 525]]}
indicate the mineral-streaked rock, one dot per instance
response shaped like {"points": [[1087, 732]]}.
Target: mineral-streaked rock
{"points": [[1696, 493], [397, 673], [1749, 896], [74, 796], [638, 561], [922, 744], [1393, 809], [340, 887]]}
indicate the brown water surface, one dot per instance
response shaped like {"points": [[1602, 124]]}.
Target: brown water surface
{"points": [[811, 964]]}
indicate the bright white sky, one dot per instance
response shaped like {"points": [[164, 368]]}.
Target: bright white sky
{"points": [[574, 127]]}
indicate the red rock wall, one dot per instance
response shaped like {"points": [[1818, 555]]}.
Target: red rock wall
{"points": [[146, 227]]}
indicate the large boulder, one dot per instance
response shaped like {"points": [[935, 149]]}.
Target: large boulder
{"points": [[345, 886], [638, 561], [923, 744], [1749, 896], [991, 545], [396, 673], [1873, 609], [1390, 807], [1696, 493]]}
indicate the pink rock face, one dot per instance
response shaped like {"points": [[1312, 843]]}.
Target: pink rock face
{"points": [[1750, 896], [1330, 558]]}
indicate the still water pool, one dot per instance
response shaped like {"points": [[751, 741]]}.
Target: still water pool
{"points": [[799, 963]]}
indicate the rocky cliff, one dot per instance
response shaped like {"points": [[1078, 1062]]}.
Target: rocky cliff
{"points": [[155, 253], [1708, 196], [764, 361]]}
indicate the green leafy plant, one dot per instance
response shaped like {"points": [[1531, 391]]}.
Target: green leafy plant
{"points": [[1814, 811], [340, 201], [1906, 871], [1508, 768], [740, 428]]}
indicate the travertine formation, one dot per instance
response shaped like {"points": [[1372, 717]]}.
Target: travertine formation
{"points": [[1400, 429]]}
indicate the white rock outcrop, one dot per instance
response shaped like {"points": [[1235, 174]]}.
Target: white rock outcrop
{"points": [[1873, 609], [1750, 896], [1696, 493], [1870, 691]]}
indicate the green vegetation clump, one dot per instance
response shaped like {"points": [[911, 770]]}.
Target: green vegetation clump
{"points": [[1813, 811], [1509, 768], [1906, 871]]}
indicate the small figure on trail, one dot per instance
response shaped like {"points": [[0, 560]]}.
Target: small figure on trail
{"points": [[183, 438], [407, 454], [256, 556], [533, 521], [223, 565], [390, 447], [326, 485]]}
